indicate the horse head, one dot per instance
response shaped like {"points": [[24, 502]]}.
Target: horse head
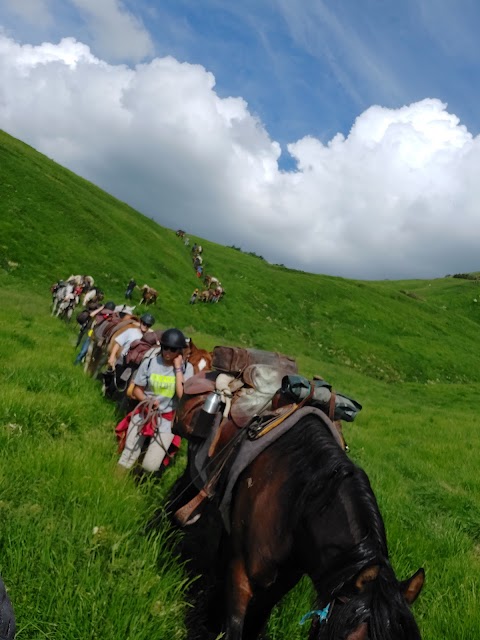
{"points": [[200, 359], [374, 606]]}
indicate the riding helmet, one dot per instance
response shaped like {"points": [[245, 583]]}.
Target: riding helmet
{"points": [[109, 305], [173, 338], [147, 319]]}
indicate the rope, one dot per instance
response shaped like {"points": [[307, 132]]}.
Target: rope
{"points": [[241, 433], [147, 412]]}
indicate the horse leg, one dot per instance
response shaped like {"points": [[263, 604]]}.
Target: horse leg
{"points": [[89, 359], [239, 594], [261, 607]]}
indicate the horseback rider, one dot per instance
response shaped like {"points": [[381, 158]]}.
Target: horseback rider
{"points": [[125, 339], [158, 385]]}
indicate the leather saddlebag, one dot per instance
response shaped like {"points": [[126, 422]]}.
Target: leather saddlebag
{"points": [[235, 360]]}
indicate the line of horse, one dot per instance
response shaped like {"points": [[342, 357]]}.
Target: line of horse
{"points": [[112, 325], [214, 290], [66, 295], [300, 507]]}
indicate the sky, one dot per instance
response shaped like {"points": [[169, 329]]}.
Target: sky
{"points": [[339, 138]]}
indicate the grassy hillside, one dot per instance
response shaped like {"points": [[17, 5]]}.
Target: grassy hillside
{"points": [[72, 547], [54, 223]]}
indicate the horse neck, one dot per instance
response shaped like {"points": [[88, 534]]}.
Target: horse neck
{"points": [[340, 529]]}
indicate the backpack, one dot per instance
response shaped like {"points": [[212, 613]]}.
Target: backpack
{"points": [[139, 347]]}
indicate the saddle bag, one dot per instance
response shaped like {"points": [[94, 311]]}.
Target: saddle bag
{"points": [[235, 360], [139, 348], [296, 388]]}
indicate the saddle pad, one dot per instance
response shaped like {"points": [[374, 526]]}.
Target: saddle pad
{"points": [[250, 449]]}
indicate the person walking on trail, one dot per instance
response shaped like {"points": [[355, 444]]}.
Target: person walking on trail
{"points": [[194, 296], [130, 287], [104, 310], [116, 359], [158, 386]]}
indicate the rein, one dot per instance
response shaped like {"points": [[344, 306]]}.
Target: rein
{"points": [[229, 445]]}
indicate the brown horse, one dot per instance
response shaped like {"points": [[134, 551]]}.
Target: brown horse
{"points": [[149, 295], [302, 507], [200, 359], [102, 341]]}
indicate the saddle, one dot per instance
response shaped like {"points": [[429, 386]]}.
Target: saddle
{"points": [[252, 400], [243, 385], [105, 330]]}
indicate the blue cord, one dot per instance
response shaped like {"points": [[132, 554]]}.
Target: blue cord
{"points": [[321, 613]]}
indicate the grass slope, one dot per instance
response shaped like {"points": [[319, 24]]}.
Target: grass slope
{"points": [[73, 550]]}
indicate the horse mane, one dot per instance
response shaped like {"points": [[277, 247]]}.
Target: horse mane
{"points": [[319, 466], [320, 471], [322, 474]]}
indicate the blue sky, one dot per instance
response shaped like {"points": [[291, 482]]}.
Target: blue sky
{"points": [[304, 69]]}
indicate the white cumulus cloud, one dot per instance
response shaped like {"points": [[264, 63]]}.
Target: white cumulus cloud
{"points": [[397, 197], [116, 33], [32, 11]]}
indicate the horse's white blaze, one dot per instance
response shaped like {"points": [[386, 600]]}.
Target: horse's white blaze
{"points": [[202, 364]]}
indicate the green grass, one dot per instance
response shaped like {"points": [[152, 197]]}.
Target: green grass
{"points": [[73, 548]]}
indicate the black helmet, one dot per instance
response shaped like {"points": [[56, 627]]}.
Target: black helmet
{"points": [[109, 305], [147, 319], [173, 338]]}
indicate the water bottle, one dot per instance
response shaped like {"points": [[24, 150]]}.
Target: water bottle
{"points": [[212, 402], [207, 414]]}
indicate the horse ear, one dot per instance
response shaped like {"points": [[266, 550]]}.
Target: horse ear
{"points": [[367, 575], [360, 633], [412, 587]]}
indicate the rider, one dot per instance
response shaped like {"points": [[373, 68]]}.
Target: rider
{"points": [[161, 379], [125, 339]]}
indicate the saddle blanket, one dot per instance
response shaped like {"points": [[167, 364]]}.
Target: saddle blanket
{"points": [[248, 450]]}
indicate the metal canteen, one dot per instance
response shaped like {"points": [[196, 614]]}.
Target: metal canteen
{"points": [[212, 402]]}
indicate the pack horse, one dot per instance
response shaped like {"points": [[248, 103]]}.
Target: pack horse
{"points": [[149, 295], [301, 507]]}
